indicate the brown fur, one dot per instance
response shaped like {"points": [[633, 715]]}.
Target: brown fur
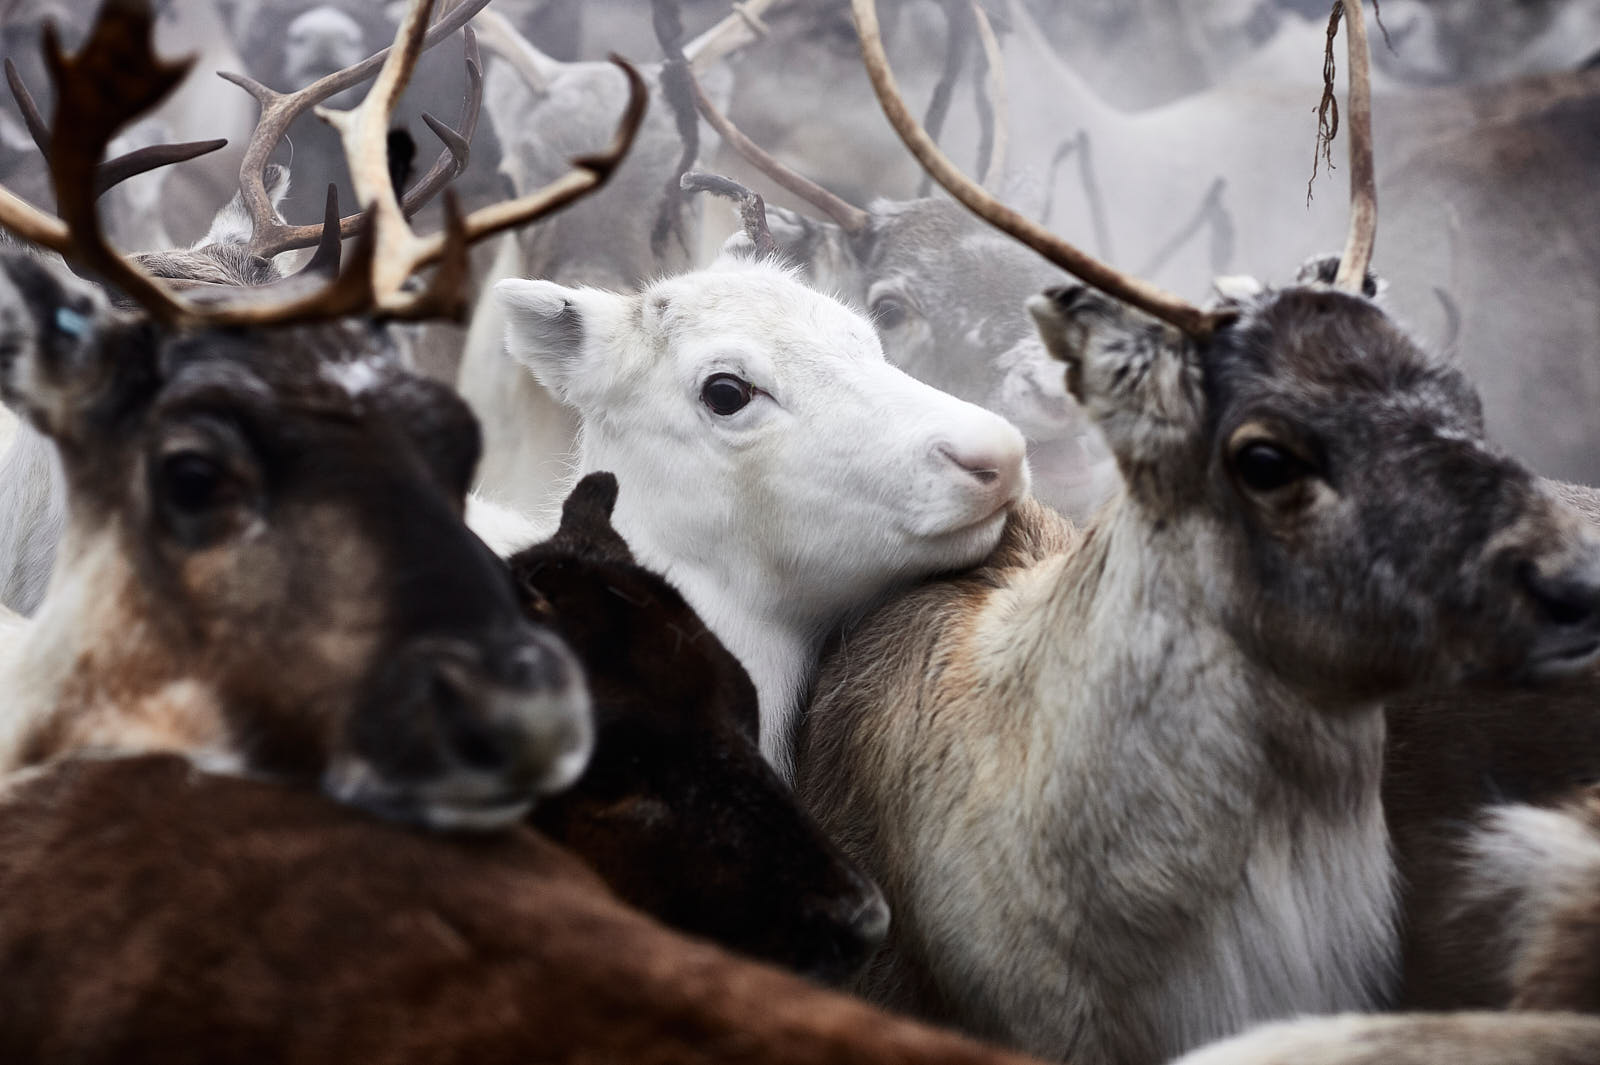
{"points": [[1448, 757], [149, 913]]}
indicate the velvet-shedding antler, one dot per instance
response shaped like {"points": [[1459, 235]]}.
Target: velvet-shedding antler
{"points": [[1131, 290], [752, 208], [116, 77]]}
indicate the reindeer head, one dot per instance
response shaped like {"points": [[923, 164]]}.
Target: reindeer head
{"points": [[738, 398], [945, 293], [1324, 484], [234, 581], [1332, 482], [265, 561], [677, 809]]}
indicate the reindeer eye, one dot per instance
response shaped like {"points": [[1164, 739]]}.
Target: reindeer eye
{"points": [[888, 312], [192, 482], [725, 394], [1265, 467]]}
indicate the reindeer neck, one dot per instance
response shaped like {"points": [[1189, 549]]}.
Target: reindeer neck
{"points": [[86, 672], [1222, 837]]}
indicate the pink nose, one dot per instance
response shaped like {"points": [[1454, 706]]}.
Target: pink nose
{"points": [[996, 465]]}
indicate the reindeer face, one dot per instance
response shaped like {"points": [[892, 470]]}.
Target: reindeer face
{"points": [[945, 293], [265, 560], [1332, 486], [745, 412]]}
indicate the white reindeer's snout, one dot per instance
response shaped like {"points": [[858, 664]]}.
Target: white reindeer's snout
{"points": [[973, 466]]}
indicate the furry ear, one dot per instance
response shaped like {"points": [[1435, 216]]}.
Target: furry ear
{"points": [[1137, 378], [549, 327], [586, 529], [232, 224], [54, 359]]}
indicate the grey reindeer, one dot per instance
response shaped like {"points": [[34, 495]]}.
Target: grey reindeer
{"points": [[1121, 783]]}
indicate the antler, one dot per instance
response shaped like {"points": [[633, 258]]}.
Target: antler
{"points": [[752, 208], [270, 235], [112, 172], [735, 31], [1363, 184], [502, 38], [999, 105], [117, 76], [852, 219], [1131, 290]]}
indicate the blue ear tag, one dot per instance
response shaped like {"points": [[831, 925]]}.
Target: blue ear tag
{"points": [[71, 322]]}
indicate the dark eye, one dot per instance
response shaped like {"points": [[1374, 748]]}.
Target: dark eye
{"points": [[888, 312], [725, 394], [192, 482], [1265, 467]]}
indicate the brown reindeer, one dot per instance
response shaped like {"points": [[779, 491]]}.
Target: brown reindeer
{"points": [[678, 810], [232, 581], [1121, 784], [149, 913]]}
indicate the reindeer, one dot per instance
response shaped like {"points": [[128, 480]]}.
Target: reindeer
{"points": [[1121, 784], [747, 418], [239, 249], [230, 584], [677, 809], [148, 913], [945, 294], [638, 229]]}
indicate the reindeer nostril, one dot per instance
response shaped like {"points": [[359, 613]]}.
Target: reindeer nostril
{"points": [[983, 470], [1563, 600]]}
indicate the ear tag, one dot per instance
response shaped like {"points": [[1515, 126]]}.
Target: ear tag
{"points": [[71, 322]]}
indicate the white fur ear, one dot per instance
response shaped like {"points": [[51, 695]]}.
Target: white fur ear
{"points": [[548, 327]]}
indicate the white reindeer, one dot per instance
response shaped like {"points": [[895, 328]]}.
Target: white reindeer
{"points": [[772, 464]]}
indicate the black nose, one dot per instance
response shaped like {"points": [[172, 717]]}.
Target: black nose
{"points": [[853, 924], [1564, 599]]}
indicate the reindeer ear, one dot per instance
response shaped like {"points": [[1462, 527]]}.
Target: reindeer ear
{"points": [[586, 529], [1139, 379], [54, 359], [549, 327]]}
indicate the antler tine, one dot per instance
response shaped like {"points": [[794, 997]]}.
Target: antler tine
{"points": [[112, 172], [457, 142], [752, 208], [1363, 185], [278, 112], [589, 172], [999, 104], [852, 219], [1131, 290], [728, 36], [364, 132], [115, 77]]}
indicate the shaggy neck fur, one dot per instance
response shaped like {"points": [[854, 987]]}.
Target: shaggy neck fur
{"points": [[1173, 842], [87, 673]]}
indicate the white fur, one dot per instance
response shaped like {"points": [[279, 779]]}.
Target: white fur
{"points": [[830, 488]]}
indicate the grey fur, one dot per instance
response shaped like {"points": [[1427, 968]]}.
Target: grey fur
{"points": [[1121, 785]]}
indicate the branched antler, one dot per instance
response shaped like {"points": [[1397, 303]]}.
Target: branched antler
{"points": [[117, 76], [271, 236], [852, 219], [1131, 290], [112, 172]]}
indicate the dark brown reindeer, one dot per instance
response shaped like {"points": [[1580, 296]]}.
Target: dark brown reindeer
{"points": [[149, 913], [241, 248], [1121, 784], [232, 582], [678, 810]]}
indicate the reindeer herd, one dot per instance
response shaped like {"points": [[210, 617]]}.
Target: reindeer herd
{"points": [[505, 621]]}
